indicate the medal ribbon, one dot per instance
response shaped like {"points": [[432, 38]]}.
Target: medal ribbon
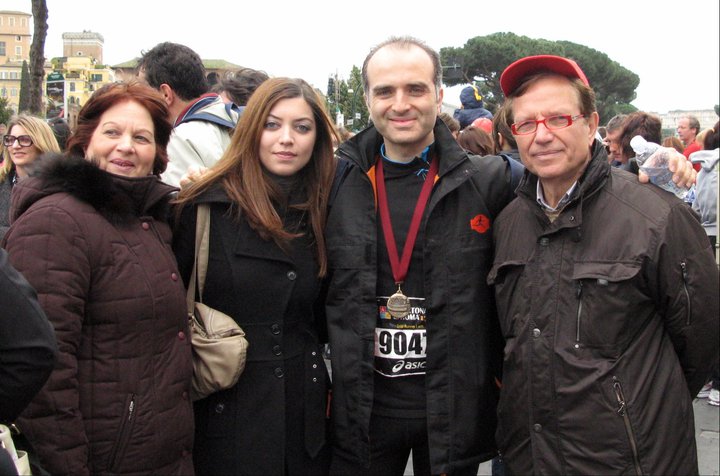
{"points": [[400, 267]]}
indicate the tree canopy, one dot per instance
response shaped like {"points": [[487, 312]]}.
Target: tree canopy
{"points": [[482, 60]]}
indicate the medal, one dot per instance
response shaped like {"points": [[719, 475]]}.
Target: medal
{"points": [[398, 305]]}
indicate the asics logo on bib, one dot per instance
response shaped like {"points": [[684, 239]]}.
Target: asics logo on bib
{"points": [[408, 366]]}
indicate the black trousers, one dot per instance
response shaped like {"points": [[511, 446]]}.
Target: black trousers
{"points": [[391, 441]]}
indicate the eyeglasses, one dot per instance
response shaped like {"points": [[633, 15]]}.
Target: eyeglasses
{"points": [[24, 141], [553, 123]]}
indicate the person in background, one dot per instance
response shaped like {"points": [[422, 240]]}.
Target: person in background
{"points": [[451, 123], [629, 262], [3, 130], [471, 107], [237, 86], [268, 199], [705, 204], [639, 123], [674, 142], [202, 121], [61, 130], [89, 232], [613, 131], [27, 139], [502, 135], [476, 141], [688, 128]]}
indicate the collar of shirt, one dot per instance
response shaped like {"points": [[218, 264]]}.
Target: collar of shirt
{"points": [[561, 204]]}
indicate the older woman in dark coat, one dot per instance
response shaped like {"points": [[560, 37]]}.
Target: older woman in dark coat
{"points": [[90, 234], [267, 197]]}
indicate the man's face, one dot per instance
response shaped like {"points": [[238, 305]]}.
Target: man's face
{"points": [[686, 134], [402, 99], [559, 156], [613, 143]]}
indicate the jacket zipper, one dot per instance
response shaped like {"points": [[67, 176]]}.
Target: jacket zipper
{"points": [[622, 411], [683, 267], [578, 294], [124, 434]]}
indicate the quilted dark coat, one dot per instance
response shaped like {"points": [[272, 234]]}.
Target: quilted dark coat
{"points": [[96, 247]]}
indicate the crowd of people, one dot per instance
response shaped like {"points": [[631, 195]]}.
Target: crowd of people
{"points": [[504, 287]]}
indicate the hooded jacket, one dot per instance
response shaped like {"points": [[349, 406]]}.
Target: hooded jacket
{"points": [[610, 315], [472, 108], [200, 136], [96, 247], [463, 341], [706, 188]]}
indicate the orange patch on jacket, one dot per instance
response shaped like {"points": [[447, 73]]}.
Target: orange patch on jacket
{"points": [[480, 223]]}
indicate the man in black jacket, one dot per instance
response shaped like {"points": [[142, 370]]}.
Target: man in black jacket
{"points": [[607, 294], [416, 348]]}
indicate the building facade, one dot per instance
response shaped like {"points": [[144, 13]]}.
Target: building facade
{"points": [[14, 49]]}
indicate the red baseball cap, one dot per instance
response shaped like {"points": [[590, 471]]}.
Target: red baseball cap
{"points": [[520, 69]]}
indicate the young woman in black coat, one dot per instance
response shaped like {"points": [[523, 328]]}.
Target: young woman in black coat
{"points": [[268, 199]]}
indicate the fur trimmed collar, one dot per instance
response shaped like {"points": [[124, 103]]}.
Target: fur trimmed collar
{"points": [[115, 197]]}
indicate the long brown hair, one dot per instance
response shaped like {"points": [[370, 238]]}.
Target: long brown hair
{"points": [[242, 175]]}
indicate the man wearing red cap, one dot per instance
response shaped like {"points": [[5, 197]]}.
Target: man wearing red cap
{"points": [[607, 296]]}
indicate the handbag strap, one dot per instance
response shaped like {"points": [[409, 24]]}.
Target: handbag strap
{"points": [[202, 249]]}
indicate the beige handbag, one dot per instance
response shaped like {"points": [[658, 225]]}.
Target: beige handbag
{"points": [[20, 458], [219, 346]]}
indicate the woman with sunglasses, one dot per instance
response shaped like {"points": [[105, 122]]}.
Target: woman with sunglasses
{"points": [[27, 138]]}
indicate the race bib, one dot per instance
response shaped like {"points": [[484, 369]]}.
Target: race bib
{"points": [[400, 343]]}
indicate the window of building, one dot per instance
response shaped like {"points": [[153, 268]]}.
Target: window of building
{"points": [[96, 78], [2, 48], [72, 86], [18, 38], [18, 51], [11, 21], [23, 21], [14, 75], [13, 92], [3, 92]]}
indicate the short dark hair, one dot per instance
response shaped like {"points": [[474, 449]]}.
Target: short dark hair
{"points": [[239, 85], [404, 42], [177, 66], [712, 138], [640, 123]]}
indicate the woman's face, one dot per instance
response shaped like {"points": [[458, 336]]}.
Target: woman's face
{"points": [[123, 142], [288, 139], [22, 156]]}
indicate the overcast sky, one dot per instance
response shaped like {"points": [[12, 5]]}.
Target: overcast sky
{"points": [[671, 45]]}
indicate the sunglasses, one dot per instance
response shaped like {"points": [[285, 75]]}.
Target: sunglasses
{"points": [[24, 141]]}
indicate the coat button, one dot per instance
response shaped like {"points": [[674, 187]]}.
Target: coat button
{"points": [[537, 427], [275, 329], [174, 276], [291, 275], [314, 366], [181, 335], [184, 395], [315, 379], [145, 226], [279, 372], [277, 350], [544, 241], [536, 332], [219, 408]]}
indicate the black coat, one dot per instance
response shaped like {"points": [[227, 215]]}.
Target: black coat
{"points": [[27, 342], [277, 411], [463, 337]]}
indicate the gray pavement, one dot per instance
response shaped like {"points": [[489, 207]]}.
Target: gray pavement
{"points": [[707, 425]]}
